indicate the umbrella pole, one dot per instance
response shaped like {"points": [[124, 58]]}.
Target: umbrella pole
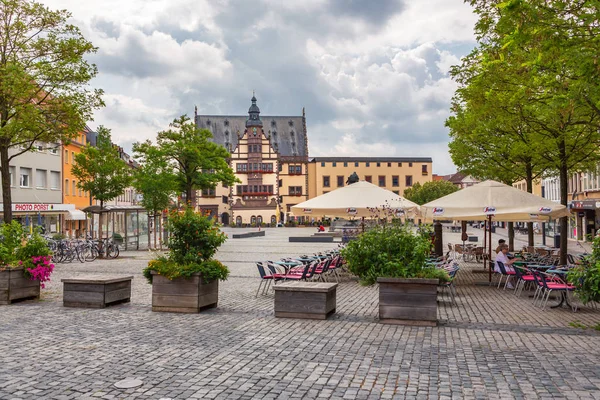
{"points": [[490, 247], [363, 224], [484, 241]]}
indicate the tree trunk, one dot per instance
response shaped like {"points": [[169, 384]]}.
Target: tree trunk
{"points": [[564, 221], [5, 175], [149, 234], [511, 236], [529, 180], [154, 229], [161, 231]]}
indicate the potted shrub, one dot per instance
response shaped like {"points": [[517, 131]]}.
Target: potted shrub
{"points": [[586, 276], [25, 263], [186, 279], [394, 255]]}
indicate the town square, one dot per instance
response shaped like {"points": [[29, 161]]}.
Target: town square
{"points": [[326, 199]]}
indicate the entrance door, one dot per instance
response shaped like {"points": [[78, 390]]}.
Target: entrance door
{"points": [[225, 218]]}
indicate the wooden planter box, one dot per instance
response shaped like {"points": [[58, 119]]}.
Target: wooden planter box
{"points": [[15, 286], [408, 301], [313, 300], [184, 295], [96, 291]]}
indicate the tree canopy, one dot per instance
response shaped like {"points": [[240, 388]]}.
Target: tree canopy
{"points": [[429, 191], [198, 163], [44, 76]]}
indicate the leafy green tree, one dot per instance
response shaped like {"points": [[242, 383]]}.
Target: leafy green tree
{"points": [[101, 172], [548, 50], [154, 179], [429, 191], [198, 162], [44, 76]]}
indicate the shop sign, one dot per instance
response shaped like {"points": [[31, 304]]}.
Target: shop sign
{"points": [[351, 211], [39, 207], [583, 205]]}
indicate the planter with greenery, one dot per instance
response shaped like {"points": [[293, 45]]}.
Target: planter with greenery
{"points": [[586, 276], [186, 279], [25, 263], [394, 255]]}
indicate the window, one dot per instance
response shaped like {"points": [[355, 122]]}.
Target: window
{"points": [[340, 180], [295, 191], [409, 180], [334, 164], [53, 149], [367, 164], [13, 175], [326, 181], [356, 164], [345, 164], [72, 157], [40, 178], [410, 164], [395, 181], [280, 182], [424, 169], [399, 164], [389, 164], [66, 156], [38, 147], [379, 164], [299, 169], [295, 169], [241, 167], [368, 178], [381, 180], [79, 192], [209, 193], [25, 178], [73, 188], [396, 192], [66, 186], [55, 180], [322, 164], [254, 148]]}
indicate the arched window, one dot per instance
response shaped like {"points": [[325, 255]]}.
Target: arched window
{"points": [[238, 220], [253, 219], [259, 220], [273, 219]]}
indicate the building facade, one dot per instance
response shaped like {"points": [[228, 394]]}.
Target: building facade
{"points": [[36, 187], [269, 155], [74, 223], [392, 173]]}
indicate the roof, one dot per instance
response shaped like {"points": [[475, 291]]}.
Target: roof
{"points": [[288, 134], [372, 159]]}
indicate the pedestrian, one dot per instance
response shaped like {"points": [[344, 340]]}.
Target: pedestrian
{"points": [[502, 257]]}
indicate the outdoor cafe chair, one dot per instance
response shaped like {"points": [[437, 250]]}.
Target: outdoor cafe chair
{"points": [[524, 276], [552, 283], [504, 272], [265, 278], [452, 271]]}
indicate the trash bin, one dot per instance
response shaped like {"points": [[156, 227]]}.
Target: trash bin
{"points": [[556, 241]]}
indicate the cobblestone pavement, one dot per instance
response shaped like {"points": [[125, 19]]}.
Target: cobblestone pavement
{"points": [[489, 345]]}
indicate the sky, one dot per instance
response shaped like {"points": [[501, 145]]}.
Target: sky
{"points": [[371, 74]]}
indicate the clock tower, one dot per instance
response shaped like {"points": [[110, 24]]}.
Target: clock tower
{"points": [[254, 115]]}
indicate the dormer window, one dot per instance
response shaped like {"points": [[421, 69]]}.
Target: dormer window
{"points": [[208, 122], [291, 123], [273, 123], [226, 123], [292, 133], [226, 134]]}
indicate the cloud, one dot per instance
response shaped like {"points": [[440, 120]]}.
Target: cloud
{"points": [[373, 75]]}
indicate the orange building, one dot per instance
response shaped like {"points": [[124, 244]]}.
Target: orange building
{"points": [[75, 223]]}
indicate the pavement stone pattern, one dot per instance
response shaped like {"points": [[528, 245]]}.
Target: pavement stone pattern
{"points": [[489, 345]]}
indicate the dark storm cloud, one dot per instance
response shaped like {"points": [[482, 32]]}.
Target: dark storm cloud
{"points": [[372, 11]]}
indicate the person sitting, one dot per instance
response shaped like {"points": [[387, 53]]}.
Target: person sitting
{"points": [[502, 257], [321, 228], [500, 243]]}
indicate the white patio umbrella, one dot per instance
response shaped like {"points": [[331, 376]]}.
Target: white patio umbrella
{"points": [[493, 201], [356, 200]]}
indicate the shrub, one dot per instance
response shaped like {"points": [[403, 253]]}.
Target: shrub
{"points": [[391, 251], [193, 242], [586, 277]]}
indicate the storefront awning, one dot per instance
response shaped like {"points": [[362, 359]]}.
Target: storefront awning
{"points": [[76, 215]]}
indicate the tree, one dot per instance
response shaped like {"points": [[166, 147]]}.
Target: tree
{"points": [[154, 179], [429, 191], [101, 172], [549, 49], [198, 162], [44, 95]]}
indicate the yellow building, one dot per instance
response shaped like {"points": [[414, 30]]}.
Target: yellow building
{"points": [[74, 223], [392, 173], [537, 186]]}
